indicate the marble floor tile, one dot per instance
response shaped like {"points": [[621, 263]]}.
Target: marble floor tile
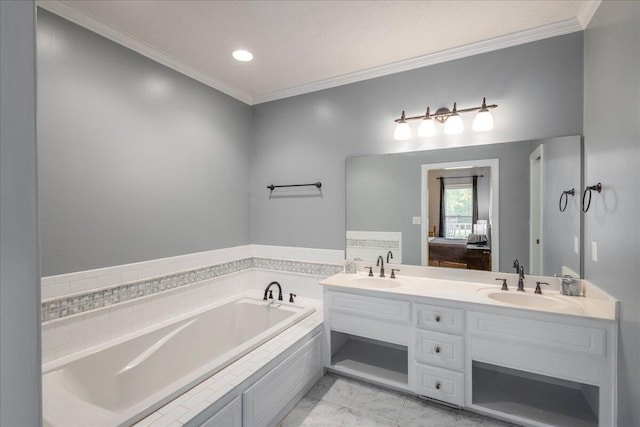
{"points": [[379, 402], [420, 413], [335, 389], [337, 401], [467, 419]]}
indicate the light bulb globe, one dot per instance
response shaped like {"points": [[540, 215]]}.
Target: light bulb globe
{"points": [[427, 128], [483, 121], [453, 125]]}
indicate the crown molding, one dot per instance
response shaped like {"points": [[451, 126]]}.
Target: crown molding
{"points": [[586, 12], [84, 20], [547, 31], [543, 32]]}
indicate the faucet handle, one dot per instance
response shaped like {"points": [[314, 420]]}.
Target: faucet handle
{"points": [[270, 294], [370, 271], [291, 296], [393, 273], [504, 284], [538, 290]]}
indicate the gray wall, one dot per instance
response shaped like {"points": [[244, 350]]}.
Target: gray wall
{"points": [[612, 156], [561, 171], [136, 161], [20, 400], [383, 193], [307, 138]]}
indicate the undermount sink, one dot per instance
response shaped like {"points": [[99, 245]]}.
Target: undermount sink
{"points": [[527, 299], [376, 282]]}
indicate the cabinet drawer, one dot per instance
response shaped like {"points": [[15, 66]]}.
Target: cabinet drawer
{"points": [[264, 400], [372, 307], [556, 336], [439, 349], [229, 416], [370, 328], [440, 384], [441, 319]]}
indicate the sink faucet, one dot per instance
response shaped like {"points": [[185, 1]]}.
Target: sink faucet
{"points": [[270, 293], [521, 279], [389, 254], [380, 263]]}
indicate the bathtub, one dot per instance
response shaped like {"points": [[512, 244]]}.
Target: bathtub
{"points": [[124, 380]]}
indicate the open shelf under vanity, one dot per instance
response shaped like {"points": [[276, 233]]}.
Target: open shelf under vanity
{"points": [[370, 359], [536, 397]]}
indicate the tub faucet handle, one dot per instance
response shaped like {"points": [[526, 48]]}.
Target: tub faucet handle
{"points": [[291, 296]]}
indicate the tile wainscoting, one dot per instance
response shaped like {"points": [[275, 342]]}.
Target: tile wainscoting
{"points": [[73, 322]]}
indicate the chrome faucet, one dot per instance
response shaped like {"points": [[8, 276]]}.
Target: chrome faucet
{"points": [[521, 279], [380, 263], [270, 293], [389, 254]]}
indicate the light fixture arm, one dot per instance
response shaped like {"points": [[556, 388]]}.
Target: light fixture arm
{"points": [[442, 114]]}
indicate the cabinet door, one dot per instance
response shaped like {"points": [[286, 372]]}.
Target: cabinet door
{"points": [[264, 400], [229, 416], [438, 349]]}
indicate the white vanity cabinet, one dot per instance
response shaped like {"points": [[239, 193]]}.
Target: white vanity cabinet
{"points": [[368, 337], [566, 364], [530, 367]]}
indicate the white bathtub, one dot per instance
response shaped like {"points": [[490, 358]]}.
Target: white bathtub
{"points": [[118, 383]]}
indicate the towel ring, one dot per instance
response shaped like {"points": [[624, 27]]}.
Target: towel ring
{"points": [[566, 195], [588, 190]]}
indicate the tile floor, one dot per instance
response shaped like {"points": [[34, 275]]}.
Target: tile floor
{"points": [[340, 401]]}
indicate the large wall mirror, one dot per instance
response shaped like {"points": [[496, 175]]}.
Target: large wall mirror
{"points": [[477, 207]]}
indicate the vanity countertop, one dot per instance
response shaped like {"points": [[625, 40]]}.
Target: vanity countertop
{"points": [[596, 305]]}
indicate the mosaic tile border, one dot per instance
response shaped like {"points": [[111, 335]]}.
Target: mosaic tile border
{"points": [[61, 307], [373, 243]]}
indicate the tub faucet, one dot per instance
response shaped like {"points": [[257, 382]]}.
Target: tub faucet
{"points": [[380, 264], [521, 279], [270, 293], [389, 254]]}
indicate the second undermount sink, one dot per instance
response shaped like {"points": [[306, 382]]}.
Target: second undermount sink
{"points": [[527, 299], [376, 282]]}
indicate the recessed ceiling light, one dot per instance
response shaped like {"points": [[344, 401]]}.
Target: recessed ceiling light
{"points": [[242, 55]]}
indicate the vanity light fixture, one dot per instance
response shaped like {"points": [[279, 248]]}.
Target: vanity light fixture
{"points": [[451, 119]]}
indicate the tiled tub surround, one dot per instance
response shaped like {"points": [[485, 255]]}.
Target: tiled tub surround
{"points": [[64, 306], [137, 374], [64, 336]]}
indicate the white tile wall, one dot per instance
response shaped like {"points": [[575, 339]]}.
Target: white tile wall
{"points": [[78, 332]]}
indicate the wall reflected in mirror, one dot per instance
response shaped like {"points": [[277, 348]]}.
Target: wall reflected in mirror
{"points": [[394, 205]]}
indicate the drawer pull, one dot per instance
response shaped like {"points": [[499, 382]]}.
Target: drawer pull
{"points": [[437, 349], [438, 386], [437, 317]]}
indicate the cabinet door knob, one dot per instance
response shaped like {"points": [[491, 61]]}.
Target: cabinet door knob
{"points": [[437, 349], [438, 386], [437, 317]]}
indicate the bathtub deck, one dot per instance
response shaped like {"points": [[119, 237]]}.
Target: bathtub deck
{"points": [[187, 406]]}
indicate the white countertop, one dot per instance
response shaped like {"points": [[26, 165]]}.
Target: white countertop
{"points": [[596, 305]]}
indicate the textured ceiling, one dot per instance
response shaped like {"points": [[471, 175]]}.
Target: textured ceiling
{"points": [[299, 43]]}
